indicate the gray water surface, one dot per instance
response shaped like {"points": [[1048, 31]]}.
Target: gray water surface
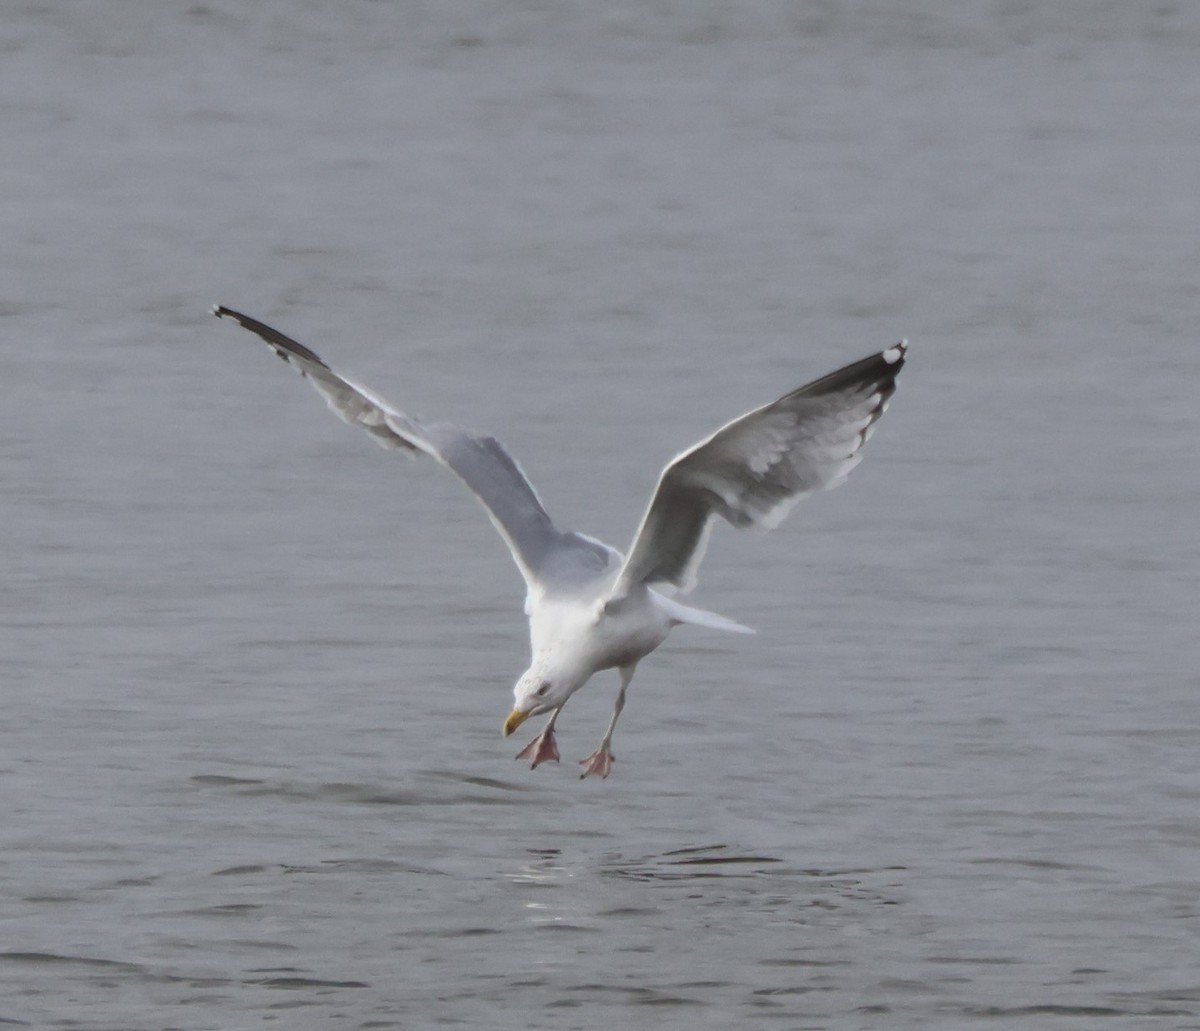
{"points": [[254, 669]]}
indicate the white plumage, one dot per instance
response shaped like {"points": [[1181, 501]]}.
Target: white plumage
{"points": [[589, 607]]}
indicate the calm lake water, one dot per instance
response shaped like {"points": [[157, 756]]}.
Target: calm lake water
{"points": [[254, 669]]}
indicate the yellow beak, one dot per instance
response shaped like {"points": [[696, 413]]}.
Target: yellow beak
{"points": [[515, 719]]}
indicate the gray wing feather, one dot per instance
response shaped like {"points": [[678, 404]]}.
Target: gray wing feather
{"points": [[754, 469], [546, 557]]}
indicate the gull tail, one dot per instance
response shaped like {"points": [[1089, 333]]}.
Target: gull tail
{"points": [[698, 617]]}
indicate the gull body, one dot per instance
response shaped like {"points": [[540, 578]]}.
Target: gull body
{"points": [[570, 641], [591, 608]]}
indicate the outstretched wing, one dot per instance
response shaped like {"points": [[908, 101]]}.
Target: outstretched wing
{"points": [[546, 557], [754, 469]]}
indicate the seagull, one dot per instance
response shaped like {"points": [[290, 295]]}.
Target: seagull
{"points": [[591, 608]]}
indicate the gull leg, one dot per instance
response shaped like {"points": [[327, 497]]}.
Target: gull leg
{"points": [[601, 760], [542, 748]]}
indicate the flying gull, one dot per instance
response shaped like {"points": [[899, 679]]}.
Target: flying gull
{"points": [[591, 608]]}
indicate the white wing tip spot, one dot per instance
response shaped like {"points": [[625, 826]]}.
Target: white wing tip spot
{"points": [[894, 354]]}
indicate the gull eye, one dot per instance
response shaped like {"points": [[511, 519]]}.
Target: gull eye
{"points": [[542, 689]]}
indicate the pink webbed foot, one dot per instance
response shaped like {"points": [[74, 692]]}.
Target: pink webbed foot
{"points": [[541, 749], [599, 762]]}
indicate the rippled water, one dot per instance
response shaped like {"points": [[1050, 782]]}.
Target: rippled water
{"points": [[254, 668]]}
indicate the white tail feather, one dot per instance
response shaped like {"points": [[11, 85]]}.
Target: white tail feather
{"points": [[698, 617]]}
